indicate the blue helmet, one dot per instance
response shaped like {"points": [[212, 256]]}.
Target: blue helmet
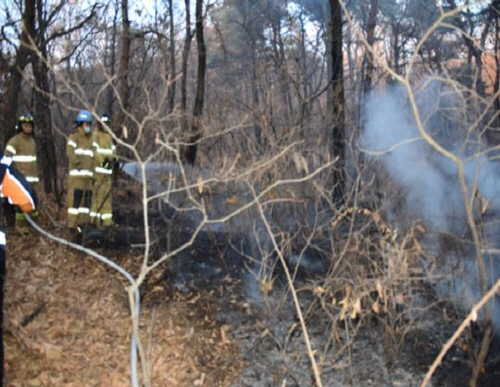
{"points": [[84, 116]]}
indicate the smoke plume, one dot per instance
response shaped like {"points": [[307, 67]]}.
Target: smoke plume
{"points": [[430, 180]]}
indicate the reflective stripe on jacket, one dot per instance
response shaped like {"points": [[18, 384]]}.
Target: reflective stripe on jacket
{"points": [[103, 146], [80, 154]]}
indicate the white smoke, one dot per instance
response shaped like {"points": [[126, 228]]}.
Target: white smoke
{"points": [[430, 180]]}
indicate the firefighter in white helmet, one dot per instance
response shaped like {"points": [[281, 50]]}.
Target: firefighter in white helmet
{"points": [[101, 212]]}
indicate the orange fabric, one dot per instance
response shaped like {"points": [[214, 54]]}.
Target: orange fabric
{"points": [[17, 194]]}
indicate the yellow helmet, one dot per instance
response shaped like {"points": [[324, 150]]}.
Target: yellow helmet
{"points": [[25, 117]]}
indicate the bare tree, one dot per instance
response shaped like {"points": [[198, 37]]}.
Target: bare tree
{"points": [[190, 155], [280, 59], [496, 85], [336, 100], [467, 22], [22, 59], [42, 106], [370, 38], [124, 68], [111, 51], [171, 49], [188, 36]]}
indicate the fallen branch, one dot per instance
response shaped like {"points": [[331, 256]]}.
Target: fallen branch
{"points": [[473, 315]]}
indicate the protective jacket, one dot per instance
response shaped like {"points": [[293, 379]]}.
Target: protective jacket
{"points": [[81, 165], [80, 155], [104, 150], [22, 149], [19, 192], [15, 187]]}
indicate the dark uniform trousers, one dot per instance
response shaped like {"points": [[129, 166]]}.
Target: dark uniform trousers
{"points": [[2, 280]]}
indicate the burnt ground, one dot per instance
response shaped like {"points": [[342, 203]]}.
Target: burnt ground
{"points": [[205, 320]]}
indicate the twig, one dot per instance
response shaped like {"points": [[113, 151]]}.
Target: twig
{"points": [[30, 317]]}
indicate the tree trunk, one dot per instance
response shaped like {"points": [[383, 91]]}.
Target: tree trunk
{"points": [[110, 93], [200, 86], [280, 59], [306, 84], [11, 95], [328, 52], [255, 104], [124, 88], [370, 38], [185, 56], [492, 133], [337, 147], [396, 48], [171, 80], [46, 147], [496, 85], [492, 15], [473, 52]]}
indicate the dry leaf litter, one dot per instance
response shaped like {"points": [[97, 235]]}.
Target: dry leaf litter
{"points": [[67, 322]]}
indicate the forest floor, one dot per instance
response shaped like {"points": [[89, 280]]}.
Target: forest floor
{"points": [[67, 323]]}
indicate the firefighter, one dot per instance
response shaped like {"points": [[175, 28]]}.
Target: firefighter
{"points": [[80, 165], [104, 150], [22, 149], [18, 192]]}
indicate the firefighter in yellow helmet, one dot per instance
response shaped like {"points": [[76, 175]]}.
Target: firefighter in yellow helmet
{"points": [[22, 149], [80, 155], [101, 212]]}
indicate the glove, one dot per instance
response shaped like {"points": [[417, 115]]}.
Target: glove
{"points": [[107, 164], [115, 163]]}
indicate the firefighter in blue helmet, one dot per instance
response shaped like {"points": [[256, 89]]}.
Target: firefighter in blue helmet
{"points": [[80, 155]]}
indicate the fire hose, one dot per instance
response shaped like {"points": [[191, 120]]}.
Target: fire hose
{"points": [[122, 271]]}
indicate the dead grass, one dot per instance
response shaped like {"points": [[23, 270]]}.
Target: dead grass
{"points": [[67, 324]]}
